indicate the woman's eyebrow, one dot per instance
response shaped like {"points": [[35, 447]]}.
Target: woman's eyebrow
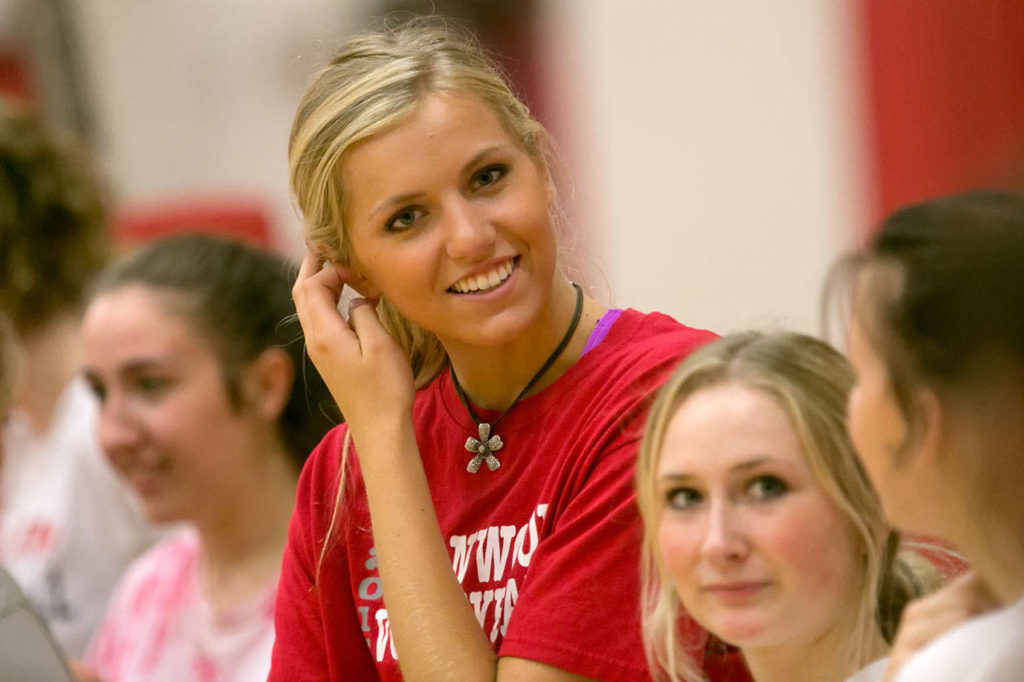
{"points": [[411, 196]]}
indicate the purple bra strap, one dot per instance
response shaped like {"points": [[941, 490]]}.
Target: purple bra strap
{"points": [[601, 329]]}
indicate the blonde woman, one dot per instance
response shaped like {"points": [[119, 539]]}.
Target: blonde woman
{"points": [[482, 527], [760, 522]]}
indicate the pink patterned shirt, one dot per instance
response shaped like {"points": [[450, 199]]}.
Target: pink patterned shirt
{"points": [[160, 627]]}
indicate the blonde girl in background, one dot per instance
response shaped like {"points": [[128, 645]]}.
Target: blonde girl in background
{"points": [[759, 521]]}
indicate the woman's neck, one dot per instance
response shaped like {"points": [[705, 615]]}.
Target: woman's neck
{"points": [[820, 661], [493, 376], [996, 551], [243, 538], [49, 360], [981, 477]]}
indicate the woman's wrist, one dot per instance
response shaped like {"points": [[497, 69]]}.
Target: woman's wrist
{"points": [[385, 442]]}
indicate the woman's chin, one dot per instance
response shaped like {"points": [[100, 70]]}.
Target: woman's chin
{"points": [[743, 632], [159, 510]]}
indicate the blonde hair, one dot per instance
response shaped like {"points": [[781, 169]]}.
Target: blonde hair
{"points": [[375, 82], [810, 381], [372, 85]]}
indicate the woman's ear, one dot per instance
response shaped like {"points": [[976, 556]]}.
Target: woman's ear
{"points": [[267, 383], [350, 273], [928, 428], [360, 283]]}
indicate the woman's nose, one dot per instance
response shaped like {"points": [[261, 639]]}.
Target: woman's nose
{"points": [[118, 430], [469, 234], [726, 539]]}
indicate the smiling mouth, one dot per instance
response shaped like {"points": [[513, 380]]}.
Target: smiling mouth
{"points": [[484, 282]]}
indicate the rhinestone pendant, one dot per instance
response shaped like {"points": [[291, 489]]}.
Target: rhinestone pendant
{"points": [[484, 449]]}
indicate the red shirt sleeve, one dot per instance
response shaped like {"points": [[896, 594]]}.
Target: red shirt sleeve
{"points": [[318, 634]]}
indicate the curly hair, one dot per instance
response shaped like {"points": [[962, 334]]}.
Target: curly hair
{"points": [[54, 236]]}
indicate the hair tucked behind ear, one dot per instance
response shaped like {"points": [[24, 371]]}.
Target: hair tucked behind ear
{"points": [[810, 381], [376, 81], [372, 85]]}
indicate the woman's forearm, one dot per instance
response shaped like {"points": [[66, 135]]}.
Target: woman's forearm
{"points": [[435, 632]]}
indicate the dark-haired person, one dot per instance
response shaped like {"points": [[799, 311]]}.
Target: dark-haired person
{"points": [[208, 409], [937, 414]]}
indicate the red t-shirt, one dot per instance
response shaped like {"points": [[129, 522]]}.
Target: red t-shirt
{"points": [[553, 533]]}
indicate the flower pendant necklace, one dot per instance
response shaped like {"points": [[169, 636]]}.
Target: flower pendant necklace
{"points": [[485, 445]]}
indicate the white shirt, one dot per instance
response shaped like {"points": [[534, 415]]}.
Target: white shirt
{"points": [[68, 526], [989, 648]]}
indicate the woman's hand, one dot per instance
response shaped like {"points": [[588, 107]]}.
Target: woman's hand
{"points": [[365, 370], [931, 616]]}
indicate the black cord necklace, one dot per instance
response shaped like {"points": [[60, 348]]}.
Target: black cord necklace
{"points": [[486, 445]]}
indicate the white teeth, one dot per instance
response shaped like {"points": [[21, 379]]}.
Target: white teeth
{"points": [[485, 281]]}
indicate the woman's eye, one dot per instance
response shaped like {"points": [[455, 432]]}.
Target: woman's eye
{"points": [[97, 388], [682, 498], [151, 386], [767, 487], [489, 176], [404, 219]]}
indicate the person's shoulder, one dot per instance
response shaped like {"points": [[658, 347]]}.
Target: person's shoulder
{"points": [[983, 648], [326, 456], [621, 374], [653, 336]]}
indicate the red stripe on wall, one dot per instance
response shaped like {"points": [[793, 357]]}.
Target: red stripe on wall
{"points": [[945, 82]]}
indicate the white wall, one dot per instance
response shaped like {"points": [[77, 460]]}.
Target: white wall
{"points": [[716, 150], [714, 144], [197, 96]]}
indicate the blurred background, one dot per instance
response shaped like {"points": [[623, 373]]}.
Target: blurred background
{"points": [[717, 154]]}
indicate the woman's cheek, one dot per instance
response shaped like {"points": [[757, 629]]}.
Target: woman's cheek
{"points": [[679, 547], [815, 543]]}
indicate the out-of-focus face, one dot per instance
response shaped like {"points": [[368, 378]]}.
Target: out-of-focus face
{"points": [[877, 426], [166, 422], [756, 550], [449, 217]]}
